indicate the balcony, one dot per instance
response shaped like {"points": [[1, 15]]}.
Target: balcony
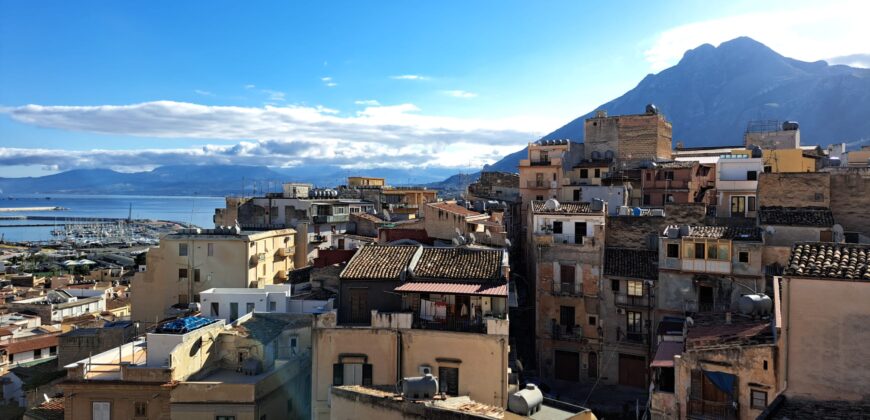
{"points": [[567, 333], [631, 301], [736, 185], [330, 218], [543, 238], [542, 184], [703, 409], [632, 337], [668, 184], [451, 323], [706, 266], [540, 162], [285, 252]]}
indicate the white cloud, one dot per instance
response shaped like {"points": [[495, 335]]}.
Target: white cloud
{"points": [[274, 95], [397, 135], [250, 86], [203, 92], [815, 32], [410, 77], [326, 79], [331, 84], [367, 102], [460, 94]]}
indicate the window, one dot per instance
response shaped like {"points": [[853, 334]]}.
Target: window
{"points": [[669, 175], [11, 357], [196, 274], [101, 410], [765, 365], [215, 309], [566, 278], [759, 399], [182, 274], [614, 285], [649, 176], [593, 320], [351, 374], [249, 307], [211, 250], [598, 173], [699, 250], [140, 409], [743, 256], [738, 205], [633, 322], [667, 198], [750, 203], [768, 169], [234, 311], [448, 380], [52, 351], [182, 250], [224, 417], [273, 306], [752, 175], [635, 288], [711, 251], [566, 317], [646, 200], [584, 173], [539, 197], [294, 343], [673, 250], [37, 354], [557, 227], [576, 195]]}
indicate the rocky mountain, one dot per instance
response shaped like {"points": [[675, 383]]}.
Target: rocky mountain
{"points": [[713, 92]]}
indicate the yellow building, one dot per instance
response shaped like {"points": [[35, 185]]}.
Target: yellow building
{"points": [[365, 181], [407, 200], [194, 260]]}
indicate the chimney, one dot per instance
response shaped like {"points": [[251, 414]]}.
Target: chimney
{"points": [[300, 259]]}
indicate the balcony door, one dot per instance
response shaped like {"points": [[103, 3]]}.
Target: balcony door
{"points": [[738, 206], [567, 366], [359, 305], [579, 232]]}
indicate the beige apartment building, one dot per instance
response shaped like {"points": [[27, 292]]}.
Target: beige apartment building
{"points": [[186, 263]]}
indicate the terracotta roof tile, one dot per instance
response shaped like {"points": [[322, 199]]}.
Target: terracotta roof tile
{"points": [[568, 207], [478, 289], [367, 216], [677, 164], [736, 233], [48, 410], [711, 329], [829, 260], [452, 207], [634, 263], [379, 262], [459, 264], [796, 216], [27, 344]]}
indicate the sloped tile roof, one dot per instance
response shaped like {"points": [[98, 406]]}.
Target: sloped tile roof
{"points": [[634, 263], [677, 164], [459, 264], [367, 216], [796, 216], [829, 260], [48, 410], [28, 344], [736, 233], [477, 289], [568, 207], [379, 262]]}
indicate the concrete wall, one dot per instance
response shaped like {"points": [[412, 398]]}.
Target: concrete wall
{"points": [[825, 334], [794, 189], [790, 139], [79, 396]]}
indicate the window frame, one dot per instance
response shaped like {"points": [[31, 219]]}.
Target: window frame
{"points": [[584, 173], [672, 245], [752, 398], [183, 250], [633, 287], [633, 318], [140, 408], [741, 253]]}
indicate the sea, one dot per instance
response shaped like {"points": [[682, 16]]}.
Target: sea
{"points": [[192, 210]]}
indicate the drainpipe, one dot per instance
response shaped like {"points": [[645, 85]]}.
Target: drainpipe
{"points": [[503, 373], [399, 355]]}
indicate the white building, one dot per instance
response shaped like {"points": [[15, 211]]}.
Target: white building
{"points": [[737, 183], [232, 303]]}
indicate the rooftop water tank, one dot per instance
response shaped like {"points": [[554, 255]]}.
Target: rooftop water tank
{"points": [[790, 126], [526, 401], [651, 109], [418, 387], [755, 304]]}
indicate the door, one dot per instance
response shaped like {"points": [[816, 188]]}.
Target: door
{"points": [[705, 299], [738, 206], [593, 364], [448, 380], [632, 371], [234, 311], [567, 365], [576, 195], [101, 410], [359, 305], [579, 232]]}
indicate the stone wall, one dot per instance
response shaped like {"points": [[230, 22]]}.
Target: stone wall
{"points": [[850, 199], [794, 189], [635, 232]]}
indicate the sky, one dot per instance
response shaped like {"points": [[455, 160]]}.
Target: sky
{"points": [[407, 84]]}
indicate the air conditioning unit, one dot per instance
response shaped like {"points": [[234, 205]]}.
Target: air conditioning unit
{"points": [[426, 370]]}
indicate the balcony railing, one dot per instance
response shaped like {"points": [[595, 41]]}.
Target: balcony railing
{"points": [[568, 333], [544, 238], [628, 300], [635, 337], [540, 162], [541, 184], [472, 325], [330, 218]]}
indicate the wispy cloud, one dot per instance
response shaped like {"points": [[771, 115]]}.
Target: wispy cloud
{"points": [[460, 94], [396, 135], [274, 95], [203, 92], [410, 77], [250, 86], [327, 81], [367, 102], [810, 33]]}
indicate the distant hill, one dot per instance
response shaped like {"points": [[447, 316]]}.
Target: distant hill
{"points": [[203, 179], [713, 92]]}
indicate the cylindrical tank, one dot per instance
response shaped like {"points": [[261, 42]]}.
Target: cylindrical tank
{"points": [[755, 304], [425, 386], [526, 401]]}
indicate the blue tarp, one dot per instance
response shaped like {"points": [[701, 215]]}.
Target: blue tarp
{"points": [[184, 325], [723, 381]]}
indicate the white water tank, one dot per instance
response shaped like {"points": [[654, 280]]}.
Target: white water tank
{"points": [[418, 387], [755, 304], [526, 401]]}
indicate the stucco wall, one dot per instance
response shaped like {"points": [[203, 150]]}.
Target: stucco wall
{"points": [[850, 199], [794, 189], [826, 334]]}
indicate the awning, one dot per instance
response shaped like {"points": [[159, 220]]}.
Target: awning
{"points": [[479, 289], [666, 352]]}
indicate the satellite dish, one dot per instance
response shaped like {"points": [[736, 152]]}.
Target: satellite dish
{"points": [[838, 233], [507, 243], [551, 204]]}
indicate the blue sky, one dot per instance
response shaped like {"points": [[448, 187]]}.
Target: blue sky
{"points": [[133, 85]]}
